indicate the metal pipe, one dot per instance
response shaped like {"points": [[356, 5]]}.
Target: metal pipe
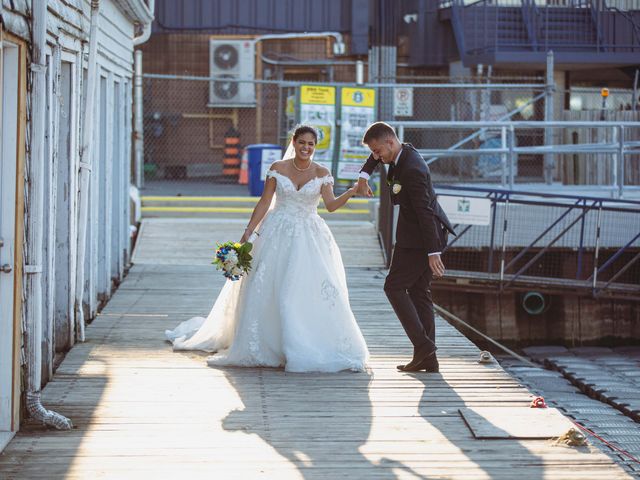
{"points": [[85, 163], [597, 250], [511, 156], [548, 116], [621, 159], [297, 63], [138, 121], [146, 29], [534, 303], [503, 156], [359, 72], [457, 86], [503, 249], [339, 46], [35, 222]]}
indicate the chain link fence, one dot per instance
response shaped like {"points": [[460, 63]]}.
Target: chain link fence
{"points": [[189, 145]]}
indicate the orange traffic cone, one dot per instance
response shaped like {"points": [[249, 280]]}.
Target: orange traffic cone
{"points": [[243, 178]]}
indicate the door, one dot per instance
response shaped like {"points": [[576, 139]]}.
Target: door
{"points": [[9, 79]]}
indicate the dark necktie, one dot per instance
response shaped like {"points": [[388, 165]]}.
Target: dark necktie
{"points": [[390, 172]]}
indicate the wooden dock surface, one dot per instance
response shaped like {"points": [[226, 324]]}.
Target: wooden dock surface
{"points": [[142, 411]]}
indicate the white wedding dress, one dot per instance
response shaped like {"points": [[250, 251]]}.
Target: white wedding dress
{"points": [[292, 310]]}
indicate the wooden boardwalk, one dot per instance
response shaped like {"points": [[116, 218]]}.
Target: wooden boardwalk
{"points": [[143, 411]]}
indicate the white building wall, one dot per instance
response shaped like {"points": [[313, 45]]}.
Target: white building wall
{"points": [[67, 37]]}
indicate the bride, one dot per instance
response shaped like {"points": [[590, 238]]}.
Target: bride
{"points": [[292, 310]]}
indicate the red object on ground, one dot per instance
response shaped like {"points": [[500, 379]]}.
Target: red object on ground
{"points": [[538, 402]]}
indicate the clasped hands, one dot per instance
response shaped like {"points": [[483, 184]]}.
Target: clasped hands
{"points": [[362, 188]]}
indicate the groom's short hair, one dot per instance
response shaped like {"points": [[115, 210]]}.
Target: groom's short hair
{"points": [[378, 131]]}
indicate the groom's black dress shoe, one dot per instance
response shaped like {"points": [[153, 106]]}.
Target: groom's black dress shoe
{"points": [[429, 365], [423, 357]]}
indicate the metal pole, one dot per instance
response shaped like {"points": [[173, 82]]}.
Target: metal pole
{"points": [[597, 251], [359, 72], [634, 100], [503, 157], [512, 160], [548, 117], [614, 160], [138, 123], [620, 156], [505, 224]]}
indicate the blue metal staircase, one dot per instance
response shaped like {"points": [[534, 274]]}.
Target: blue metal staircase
{"points": [[517, 32]]}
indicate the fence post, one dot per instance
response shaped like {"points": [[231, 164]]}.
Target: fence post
{"points": [[503, 156], [597, 250], [503, 249], [548, 117], [511, 143], [620, 161]]}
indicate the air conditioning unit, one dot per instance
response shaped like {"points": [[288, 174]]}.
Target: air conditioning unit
{"points": [[232, 60]]}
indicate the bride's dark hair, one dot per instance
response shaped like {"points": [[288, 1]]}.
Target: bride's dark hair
{"points": [[302, 129]]}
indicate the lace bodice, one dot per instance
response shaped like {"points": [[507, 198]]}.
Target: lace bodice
{"points": [[298, 202]]}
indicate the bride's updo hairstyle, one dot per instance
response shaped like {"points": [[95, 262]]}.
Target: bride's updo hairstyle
{"points": [[302, 129]]}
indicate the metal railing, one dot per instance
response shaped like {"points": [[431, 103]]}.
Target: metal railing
{"points": [[544, 241], [552, 241], [611, 160]]}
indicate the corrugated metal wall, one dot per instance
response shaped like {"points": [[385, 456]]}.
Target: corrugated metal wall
{"points": [[242, 17]]}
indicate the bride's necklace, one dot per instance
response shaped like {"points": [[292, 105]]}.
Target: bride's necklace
{"points": [[298, 168]]}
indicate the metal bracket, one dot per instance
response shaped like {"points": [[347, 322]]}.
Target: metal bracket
{"points": [[33, 269]]}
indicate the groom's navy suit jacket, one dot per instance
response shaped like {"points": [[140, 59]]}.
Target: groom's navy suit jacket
{"points": [[422, 223]]}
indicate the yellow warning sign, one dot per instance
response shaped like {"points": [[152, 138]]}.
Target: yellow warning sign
{"points": [[317, 95]]}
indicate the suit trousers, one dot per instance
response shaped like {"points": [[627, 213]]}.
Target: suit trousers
{"points": [[408, 288]]}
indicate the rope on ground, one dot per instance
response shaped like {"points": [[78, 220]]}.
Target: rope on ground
{"points": [[608, 444], [446, 313]]}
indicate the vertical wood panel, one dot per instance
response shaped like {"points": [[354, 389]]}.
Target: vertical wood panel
{"points": [[62, 321], [19, 232]]}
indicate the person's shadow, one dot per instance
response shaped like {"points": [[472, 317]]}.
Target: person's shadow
{"points": [[319, 422], [449, 437]]}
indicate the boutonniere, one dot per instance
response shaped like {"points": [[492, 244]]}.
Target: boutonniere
{"points": [[395, 187]]}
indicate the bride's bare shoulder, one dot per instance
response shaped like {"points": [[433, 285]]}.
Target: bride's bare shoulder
{"points": [[321, 171], [278, 165]]}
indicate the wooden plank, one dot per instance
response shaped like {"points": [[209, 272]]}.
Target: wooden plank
{"points": [[515, 422]]}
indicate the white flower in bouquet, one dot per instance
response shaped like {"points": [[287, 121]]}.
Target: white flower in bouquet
{"points": [[236, 271], [232, 258]]}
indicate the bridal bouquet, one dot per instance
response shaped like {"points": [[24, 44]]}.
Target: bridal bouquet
{"points": [[234, 259]]}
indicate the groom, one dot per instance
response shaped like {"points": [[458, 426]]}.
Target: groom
{"points": [[421, 236]]}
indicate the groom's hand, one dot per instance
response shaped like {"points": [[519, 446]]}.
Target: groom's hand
{"points": [[363, 189], [436, 266]]}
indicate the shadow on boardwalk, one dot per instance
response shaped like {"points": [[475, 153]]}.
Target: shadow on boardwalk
{"points": [[309, 419]]}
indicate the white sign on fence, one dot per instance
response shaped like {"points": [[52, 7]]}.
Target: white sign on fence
{"points": [[269, 155], [466, 210], [403, 102]]}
